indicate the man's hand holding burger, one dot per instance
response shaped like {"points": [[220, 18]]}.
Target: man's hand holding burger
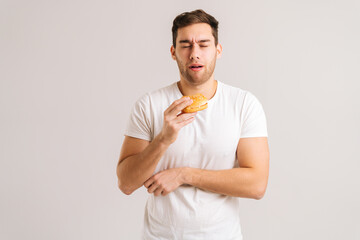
{"points": [[174, 120]]}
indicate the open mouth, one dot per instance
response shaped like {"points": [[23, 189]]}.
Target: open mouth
{"points": [[196, 67]]}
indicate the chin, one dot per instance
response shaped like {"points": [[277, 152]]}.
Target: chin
{"points": [[197, 81]]}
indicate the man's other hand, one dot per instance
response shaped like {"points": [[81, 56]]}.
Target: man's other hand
{"points": [[165, 182]]}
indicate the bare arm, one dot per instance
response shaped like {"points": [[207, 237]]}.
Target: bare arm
{"points": [[137, 161], [248, 181], [139, 158]]}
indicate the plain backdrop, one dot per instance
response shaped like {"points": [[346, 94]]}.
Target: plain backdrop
{"points": [[70, 72]]}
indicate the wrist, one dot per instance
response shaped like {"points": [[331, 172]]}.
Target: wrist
{"points": [[186, 175], [162, 140]]}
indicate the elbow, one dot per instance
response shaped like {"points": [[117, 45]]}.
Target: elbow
{"points": [[125, 189], [259, 195], [259, 189], [258, 192]]}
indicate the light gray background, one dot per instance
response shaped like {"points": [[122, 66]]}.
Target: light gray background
{"points": [[71, 70]]}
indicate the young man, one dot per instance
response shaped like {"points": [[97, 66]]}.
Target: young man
{"points": [[195, 165]]}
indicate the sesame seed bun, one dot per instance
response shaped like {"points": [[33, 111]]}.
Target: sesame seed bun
{"points": [[199, 103]]}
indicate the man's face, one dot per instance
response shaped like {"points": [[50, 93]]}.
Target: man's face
{"points": [[196, 53]]}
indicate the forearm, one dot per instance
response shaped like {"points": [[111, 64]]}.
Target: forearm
{"points": [[237, 182], [133, 171]]}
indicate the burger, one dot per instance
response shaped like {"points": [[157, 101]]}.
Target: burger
{"points": [[199, 103]]}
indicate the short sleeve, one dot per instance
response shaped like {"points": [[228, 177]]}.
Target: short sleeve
{"points": [[253, 118], [138, 125]]}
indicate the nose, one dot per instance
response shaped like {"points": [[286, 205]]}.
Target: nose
{"points": [[194, 52]]}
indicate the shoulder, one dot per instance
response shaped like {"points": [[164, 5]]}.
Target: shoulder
{"points": [[234, 93], [155, 102], [156, 95], [238, 97]]}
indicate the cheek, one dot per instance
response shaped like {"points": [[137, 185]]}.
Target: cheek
{"points": [[181, 57], [209, 54]]}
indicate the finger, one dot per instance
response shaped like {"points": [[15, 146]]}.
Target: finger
{"points": [[184, 116], [175, 103], [152, 188], [148, 182], [176, 109], [158, 191], [164, 193], [186, 122]]}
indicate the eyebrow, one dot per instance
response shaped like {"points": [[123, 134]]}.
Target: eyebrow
{"points": [[188, 41]]}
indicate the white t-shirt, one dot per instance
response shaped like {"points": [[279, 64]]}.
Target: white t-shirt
{"points": [[209, 142]]}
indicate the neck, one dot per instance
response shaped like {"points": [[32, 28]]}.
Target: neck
{"points": [[208, 88]]}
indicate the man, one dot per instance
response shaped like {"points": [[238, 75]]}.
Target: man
{"points": [[195, 165]]}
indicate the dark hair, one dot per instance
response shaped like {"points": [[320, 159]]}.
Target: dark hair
{"points": [[198, 16]]}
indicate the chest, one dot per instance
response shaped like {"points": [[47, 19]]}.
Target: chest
{"points": [[209, 142]]}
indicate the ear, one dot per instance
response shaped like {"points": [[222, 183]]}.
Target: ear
{"points": [[172, 51], [218, 50]]}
